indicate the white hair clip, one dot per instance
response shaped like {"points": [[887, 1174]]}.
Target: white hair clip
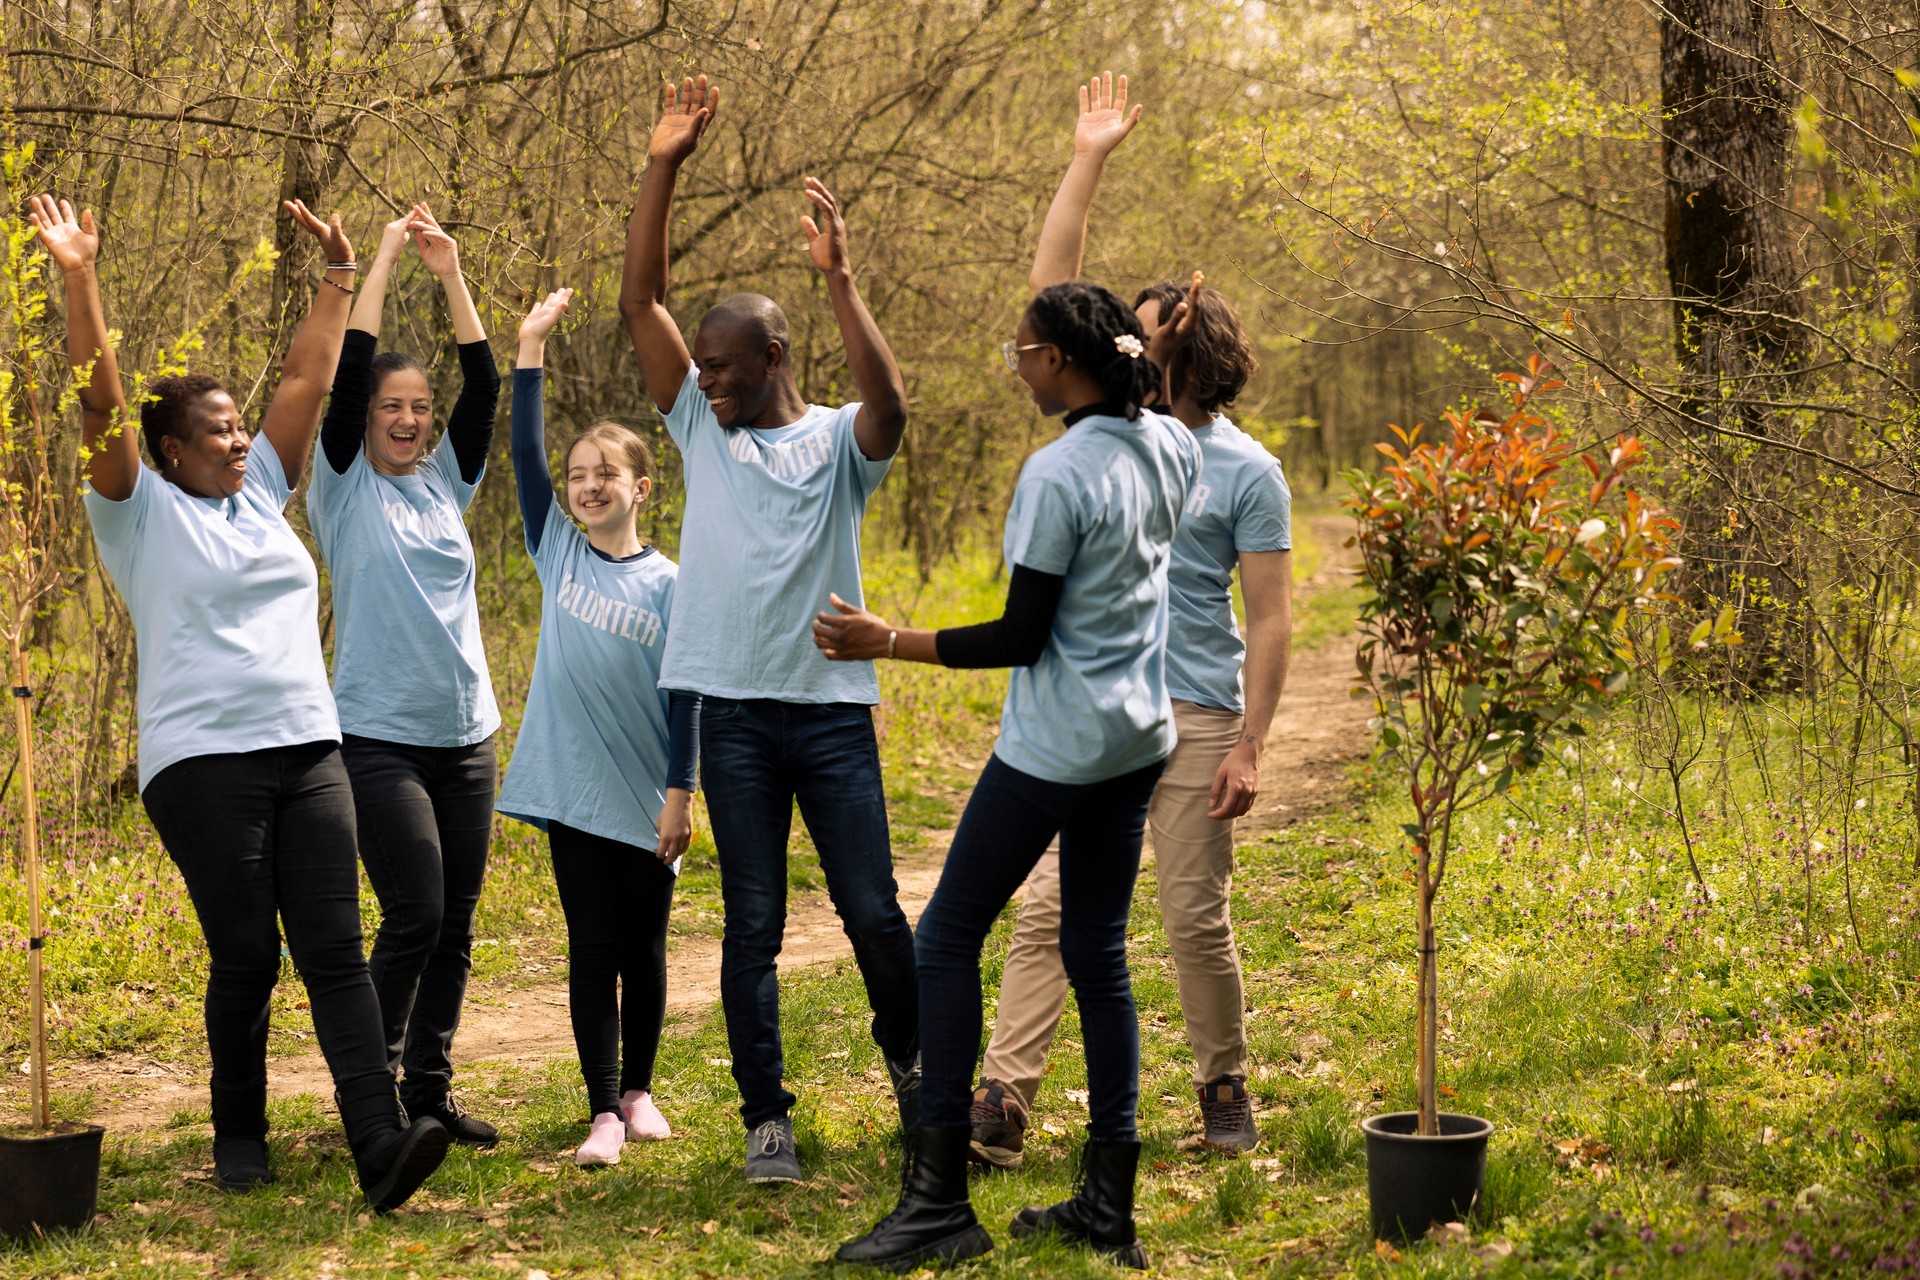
{"points": [[1128, 345]]}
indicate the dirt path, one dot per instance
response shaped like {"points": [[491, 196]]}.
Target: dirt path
{"points": [[1318, 731]]}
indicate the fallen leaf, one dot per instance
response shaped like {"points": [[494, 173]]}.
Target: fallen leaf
{"points": [[1077, 1095], [1381, 1249], [708, 1227], [1494, 1251], [1448, 1093], [1448, 1232], [1681, 1086]]}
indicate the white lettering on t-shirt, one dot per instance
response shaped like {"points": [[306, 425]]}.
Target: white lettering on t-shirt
{"points": [[603, 613], [790, 459], [1197, 500], [406, 519]]}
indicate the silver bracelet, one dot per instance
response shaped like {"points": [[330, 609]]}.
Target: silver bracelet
{"points": [[343, 266]]}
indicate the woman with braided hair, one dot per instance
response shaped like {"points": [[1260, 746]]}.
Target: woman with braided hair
{"points": [[1084, 736]]}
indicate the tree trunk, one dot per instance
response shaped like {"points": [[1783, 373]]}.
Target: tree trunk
{"points": [[36, 953], [1428, 996], [1725, 152]]}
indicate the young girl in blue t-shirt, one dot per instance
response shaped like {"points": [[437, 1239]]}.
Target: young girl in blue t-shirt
{"points": [[604, 760]]}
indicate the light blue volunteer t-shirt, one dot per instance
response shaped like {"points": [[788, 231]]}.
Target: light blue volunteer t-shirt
{"points": [[225, 604], [1098, 507], [408, 665], [1240, 503], [592, 750], [772, 526]]}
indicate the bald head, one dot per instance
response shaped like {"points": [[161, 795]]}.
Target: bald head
{"points": [[748, 317], [741, 350]]}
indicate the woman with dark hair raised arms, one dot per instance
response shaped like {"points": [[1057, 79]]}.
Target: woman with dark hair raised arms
{"points": [[1224, 689], [239, 743], [1083, 739], [409, 674]]}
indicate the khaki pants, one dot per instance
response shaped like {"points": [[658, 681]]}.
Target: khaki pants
{"points": [[1193, 862]]}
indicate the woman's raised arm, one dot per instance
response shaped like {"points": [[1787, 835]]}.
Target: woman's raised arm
{"points": [[293, 415], [111, 454]]}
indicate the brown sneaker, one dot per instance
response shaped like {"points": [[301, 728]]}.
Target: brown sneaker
{"points": [[1228, 1115], [998, 1122]]}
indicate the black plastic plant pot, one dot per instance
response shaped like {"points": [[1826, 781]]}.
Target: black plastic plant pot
{"points": [[1414, 1182], [49, 1178]]}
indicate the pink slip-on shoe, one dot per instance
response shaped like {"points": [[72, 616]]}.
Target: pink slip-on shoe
{"points": [[603, 1144], [644, 1121]]}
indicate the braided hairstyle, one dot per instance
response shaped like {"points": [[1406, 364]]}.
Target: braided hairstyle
{"points": [[1084, 321], [393, 362], [1216, 363], [165, 414]]}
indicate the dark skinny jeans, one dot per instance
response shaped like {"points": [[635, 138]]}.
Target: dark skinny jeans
{"points": [[425, 821], [616, 898], [1009, 821], [265, 839], [757, 758]]}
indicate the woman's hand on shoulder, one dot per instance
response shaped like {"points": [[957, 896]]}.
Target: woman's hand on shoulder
{"points": [[676, 825]]}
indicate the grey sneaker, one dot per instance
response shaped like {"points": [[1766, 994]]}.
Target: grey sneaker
{"points": [[1228, 1115], [906, 1091], [771, 1154]]}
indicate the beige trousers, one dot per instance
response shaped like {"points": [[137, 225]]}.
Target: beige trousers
{"points": [[1193, 862]]}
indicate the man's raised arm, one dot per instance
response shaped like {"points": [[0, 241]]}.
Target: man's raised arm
{"points": [[882, 420], [684, 116]]}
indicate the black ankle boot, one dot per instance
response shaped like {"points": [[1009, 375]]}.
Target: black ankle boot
{"points": [[466, 1130], [240, 1136], [934, 1220], [392, 1159], [1100, 1212]]}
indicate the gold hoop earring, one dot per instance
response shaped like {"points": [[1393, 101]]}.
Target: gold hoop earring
{"points": [[176, 462]]}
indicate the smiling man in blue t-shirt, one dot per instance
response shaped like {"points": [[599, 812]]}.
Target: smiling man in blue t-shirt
{"points": [[776, 489]]}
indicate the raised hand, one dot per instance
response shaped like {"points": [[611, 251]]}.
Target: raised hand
{"points": [[332, 239], [394, 236], [74, 244], [436, 248], [1179, 328], [545, 315], [826, 238], [685, 112], [1105, 121]]}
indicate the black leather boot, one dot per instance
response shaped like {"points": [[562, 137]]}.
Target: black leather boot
{"points": [[1100, 1212], [240, 1136], [392, 1159], [934, 1220]]}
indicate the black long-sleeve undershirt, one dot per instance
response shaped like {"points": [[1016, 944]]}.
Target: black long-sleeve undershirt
{"points": [[1018, 636], [469, 425]]}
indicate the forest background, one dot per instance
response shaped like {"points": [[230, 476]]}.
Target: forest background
{"points": [[1706, 213]]}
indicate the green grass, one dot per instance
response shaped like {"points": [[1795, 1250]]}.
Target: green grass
{"points": [[1686, 1084]]}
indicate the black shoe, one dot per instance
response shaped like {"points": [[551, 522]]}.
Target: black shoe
{"points": [[1100, 1211], [934, 1220], [462, 1128], [999, 1126], [392, 1159], [906, 1091], [240, 1137]]}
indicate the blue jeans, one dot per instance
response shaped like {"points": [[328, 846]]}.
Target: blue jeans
{"points": [[1010, 820], [757, 757]]}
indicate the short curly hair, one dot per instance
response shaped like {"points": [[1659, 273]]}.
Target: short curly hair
{"points": [[1215, 366], [165, 414]]}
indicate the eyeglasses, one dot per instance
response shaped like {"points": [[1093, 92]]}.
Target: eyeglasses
{"points": [[1011, 352]]}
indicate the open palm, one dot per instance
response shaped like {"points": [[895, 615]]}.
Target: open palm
{"points": [[545, 315], [686, 110], [1104, 119], [72, 242]]}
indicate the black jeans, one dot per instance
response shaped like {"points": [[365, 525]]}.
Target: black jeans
{"points": [[616, 898], [425, 821], [1009, 821], [265, 839], [756, 759]]}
